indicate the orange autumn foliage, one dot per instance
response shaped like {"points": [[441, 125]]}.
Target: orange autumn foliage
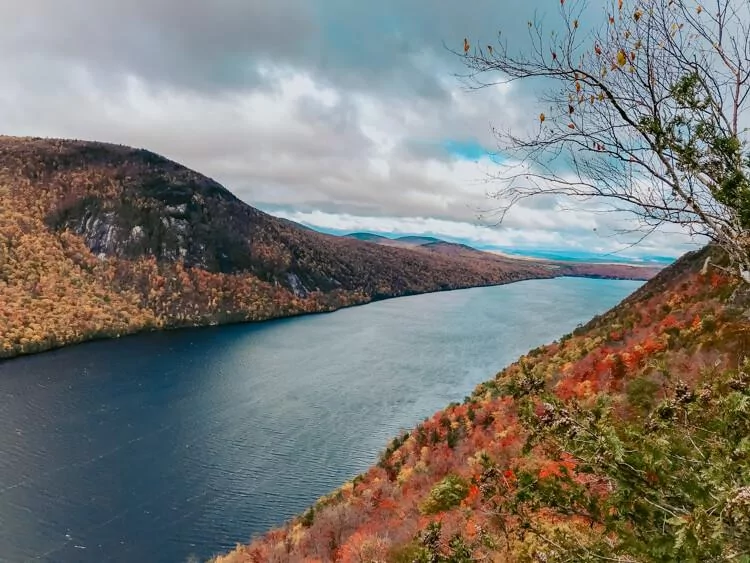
{"points": [[653, 328]]}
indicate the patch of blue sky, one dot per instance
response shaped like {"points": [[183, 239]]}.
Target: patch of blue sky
{"points": [[470, 150]]}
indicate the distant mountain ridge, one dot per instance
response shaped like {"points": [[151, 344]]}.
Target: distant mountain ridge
{"points": [[566, 266], [418, 240], [434, 243], [367, 237], [99, 240], [404, 241]]}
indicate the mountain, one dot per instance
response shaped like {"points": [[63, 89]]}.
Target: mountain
{"points": [[626, 440], [456, 249], [400, 242], [417, 241], [368, 237], [440, 244], [469, 254], [406, 241], [100, 240]]}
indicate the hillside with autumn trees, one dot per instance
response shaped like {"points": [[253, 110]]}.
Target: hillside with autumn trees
{"points": [[627, 440], [101, 240]]}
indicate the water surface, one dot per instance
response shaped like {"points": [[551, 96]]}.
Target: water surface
{"points": [[161, 446]]}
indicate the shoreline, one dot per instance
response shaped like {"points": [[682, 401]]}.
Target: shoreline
{"points": [[370, 300]]}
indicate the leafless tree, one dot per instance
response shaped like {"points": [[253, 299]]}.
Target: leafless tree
{"points": [[647, 111]]}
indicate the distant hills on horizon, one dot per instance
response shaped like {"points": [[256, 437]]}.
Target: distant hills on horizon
{"points": [[412, 241], [408, 240]]}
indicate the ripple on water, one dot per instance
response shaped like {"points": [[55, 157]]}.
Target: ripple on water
{"points": [[159, 446]]}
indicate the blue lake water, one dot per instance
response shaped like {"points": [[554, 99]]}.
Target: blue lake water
{"points": [[161, 446]]}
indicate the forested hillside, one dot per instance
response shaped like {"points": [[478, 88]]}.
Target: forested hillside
{"points": [[628, 441], [100, 240]]}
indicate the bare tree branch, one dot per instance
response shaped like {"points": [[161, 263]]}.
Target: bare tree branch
{"points": [[645, 111]]}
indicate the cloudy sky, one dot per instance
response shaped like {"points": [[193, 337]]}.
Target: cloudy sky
{"points": [[340, 114]]}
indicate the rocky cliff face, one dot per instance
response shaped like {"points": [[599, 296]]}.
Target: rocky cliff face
{"points": [[162, 210]]}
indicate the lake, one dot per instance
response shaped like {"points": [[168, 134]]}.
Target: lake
{"points": [[160, 446]]}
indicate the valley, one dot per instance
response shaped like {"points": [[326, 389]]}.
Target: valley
{"points": [[100, 240]]}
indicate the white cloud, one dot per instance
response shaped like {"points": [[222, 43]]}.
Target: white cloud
{"points": [[349, 133], [486, 237]]}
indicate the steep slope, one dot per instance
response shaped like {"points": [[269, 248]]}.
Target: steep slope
{"points": [[628, 439], [100, 240]]}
